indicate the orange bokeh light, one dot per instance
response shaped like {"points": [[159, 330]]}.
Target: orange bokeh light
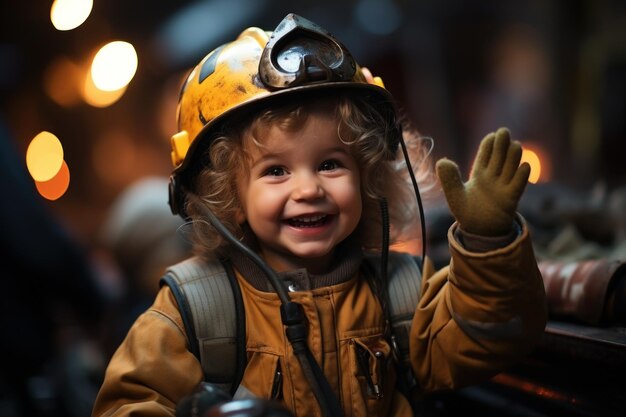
{"points": [[410, 246], [55, 187]]}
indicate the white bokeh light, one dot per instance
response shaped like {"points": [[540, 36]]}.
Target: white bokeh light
{"points": [[114, 66], [69, 14]]}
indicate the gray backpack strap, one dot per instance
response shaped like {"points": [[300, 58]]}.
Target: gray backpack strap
{"points": [[209, 301], [399, 296], [403, 288]]}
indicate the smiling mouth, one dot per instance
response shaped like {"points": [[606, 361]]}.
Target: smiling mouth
{"points": [[309, 221]]}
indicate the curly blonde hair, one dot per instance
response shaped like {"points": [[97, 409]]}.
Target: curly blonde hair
{"points": [[359, 125]]}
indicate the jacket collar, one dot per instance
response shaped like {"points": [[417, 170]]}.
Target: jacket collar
{"points": [[346, 263]]}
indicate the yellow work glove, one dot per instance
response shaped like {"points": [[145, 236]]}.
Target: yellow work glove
{"points": [[486, 204]]}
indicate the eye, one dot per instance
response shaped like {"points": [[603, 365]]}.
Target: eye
{"points": [[329, 165], [274, 171]]}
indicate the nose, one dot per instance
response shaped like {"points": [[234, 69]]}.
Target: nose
{"points": [[307, 186]]}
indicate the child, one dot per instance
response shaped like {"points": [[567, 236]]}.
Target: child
{"points": [[304, 147]]}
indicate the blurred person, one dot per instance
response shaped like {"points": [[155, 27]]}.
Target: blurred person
{"points": [[143, 238], [51, 302], [293, 168]]}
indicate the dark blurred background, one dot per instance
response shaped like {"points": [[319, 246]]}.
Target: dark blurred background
{"points": [[554, 72]]}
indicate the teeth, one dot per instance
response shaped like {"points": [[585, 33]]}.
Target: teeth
{"points": [[309, 219]]}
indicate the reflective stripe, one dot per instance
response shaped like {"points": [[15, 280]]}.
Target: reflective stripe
{"points": [[496, 330]]}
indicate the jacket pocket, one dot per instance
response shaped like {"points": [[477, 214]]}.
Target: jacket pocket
{"points": [[263, 377], [372, 375]]}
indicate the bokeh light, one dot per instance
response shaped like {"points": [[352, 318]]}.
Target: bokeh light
{"points": [[114, 157], [61, 82], [114, 66], [44, 156], [69, 14], [55, 187], [533, 160], [380, 17], [99, 98]]}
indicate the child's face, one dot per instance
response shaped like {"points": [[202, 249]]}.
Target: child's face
{"points": [[301, 196]]}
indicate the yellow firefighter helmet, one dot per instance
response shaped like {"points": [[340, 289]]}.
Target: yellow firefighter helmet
{"points": [[252, 70]]}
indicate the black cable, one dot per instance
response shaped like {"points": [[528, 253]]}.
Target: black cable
{"points": [[269, 272], [384, 256], [381, 283], [292, 316], [417, 196]]}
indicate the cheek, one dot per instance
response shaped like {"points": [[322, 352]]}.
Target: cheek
{"points": [[349, 198], [261, 203]]}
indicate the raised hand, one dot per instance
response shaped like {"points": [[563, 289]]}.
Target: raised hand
{"points": [[486, 204]]}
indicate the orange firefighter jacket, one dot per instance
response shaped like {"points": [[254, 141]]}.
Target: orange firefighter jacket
{"points": [[475, 318]]}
